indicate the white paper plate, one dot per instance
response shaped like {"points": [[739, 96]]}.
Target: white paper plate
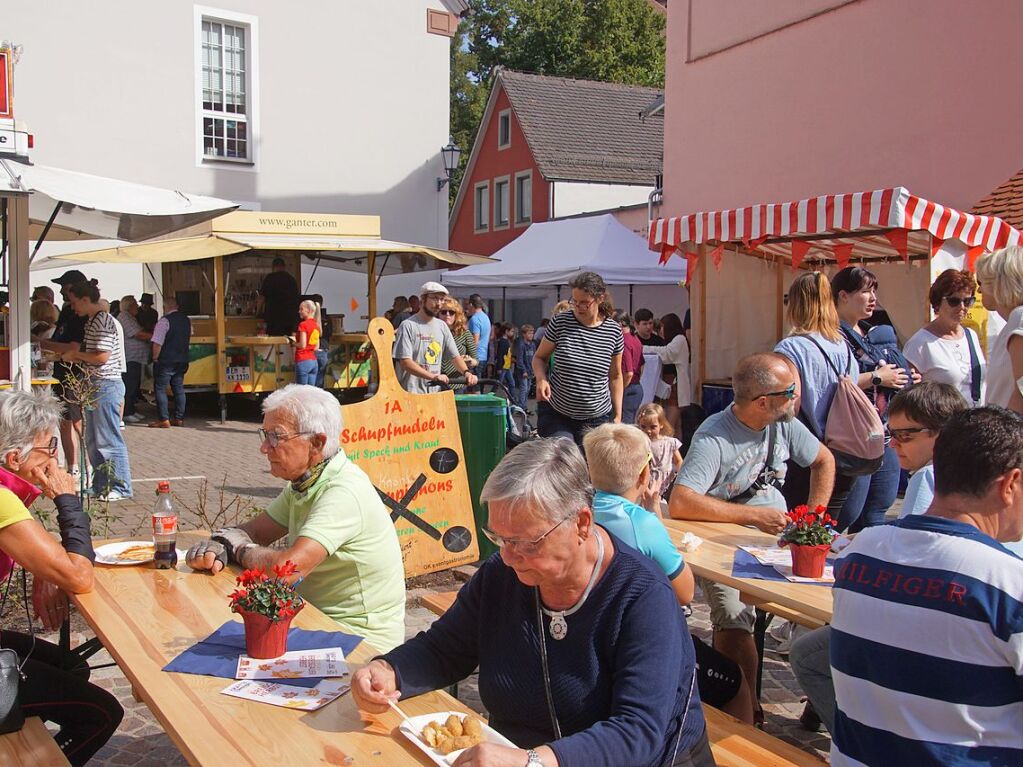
{"points": [[110, 553], [415, 725]]}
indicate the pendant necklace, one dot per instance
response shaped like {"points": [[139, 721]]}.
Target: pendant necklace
{"points": [[559, 626]]}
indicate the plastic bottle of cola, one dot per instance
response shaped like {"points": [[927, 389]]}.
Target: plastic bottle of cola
{"points": [[165, 528]]}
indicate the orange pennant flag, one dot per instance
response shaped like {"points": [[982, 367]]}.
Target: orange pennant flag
{"points": [[355, 305], [691, 259], [971, 257], [843, 254], [936, 246], [898, 239], [715, 256], [752, 245], [799, 250]]}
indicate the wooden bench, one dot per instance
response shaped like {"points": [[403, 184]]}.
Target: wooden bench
{"points": [[31, 746], [734, 743]]}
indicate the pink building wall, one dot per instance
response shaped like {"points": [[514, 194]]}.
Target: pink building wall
{"points": [[805, 97]]}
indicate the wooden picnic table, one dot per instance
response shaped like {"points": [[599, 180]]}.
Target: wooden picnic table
{"points": [[713, 560], [146, 617]]}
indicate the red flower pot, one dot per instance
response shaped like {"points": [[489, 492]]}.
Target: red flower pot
{"points": [[808, 561], [263, 638]]}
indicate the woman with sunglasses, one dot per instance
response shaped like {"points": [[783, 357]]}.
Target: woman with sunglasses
{"points": [[883, 372], [55, 686], [584, 656], [944, 351], [454, 316]]}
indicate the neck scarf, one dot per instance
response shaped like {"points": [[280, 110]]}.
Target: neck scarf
{"points": [[307, 480]]}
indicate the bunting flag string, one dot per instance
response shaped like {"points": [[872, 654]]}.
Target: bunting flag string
{"points": [[843, 254], [799, 250], [899, 240]]}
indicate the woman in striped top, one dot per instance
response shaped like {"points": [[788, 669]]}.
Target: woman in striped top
{"points": [[102, 355], [584, 387]]}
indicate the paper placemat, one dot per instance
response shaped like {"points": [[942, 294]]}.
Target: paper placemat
{"points": [[745, 565]]}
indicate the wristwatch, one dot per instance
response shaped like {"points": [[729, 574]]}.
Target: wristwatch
{"points": [[533, 759], [875, 379]]}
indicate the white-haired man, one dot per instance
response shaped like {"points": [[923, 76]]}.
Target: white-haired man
{"points": [[423, 342], [339, 533]]}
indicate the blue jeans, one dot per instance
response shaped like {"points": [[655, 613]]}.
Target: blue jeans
{"points": [[108, 455], [871, 496], [632, 398], [305, 372], [522, 390], [321, 366], [172, 373], [811, 664]]}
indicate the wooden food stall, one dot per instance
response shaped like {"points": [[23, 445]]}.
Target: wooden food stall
{"points": [[755, 252], [215, 271]]}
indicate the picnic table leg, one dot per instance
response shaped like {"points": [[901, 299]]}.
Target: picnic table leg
{"points": [[763, 620]]}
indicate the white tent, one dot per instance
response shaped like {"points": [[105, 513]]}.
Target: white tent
{"points": [[552, 252]]}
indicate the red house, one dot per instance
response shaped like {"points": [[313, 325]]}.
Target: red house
{"points": [[551, 147]]}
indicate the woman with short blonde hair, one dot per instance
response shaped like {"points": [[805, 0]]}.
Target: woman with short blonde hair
{"points": [[1000, 278]]}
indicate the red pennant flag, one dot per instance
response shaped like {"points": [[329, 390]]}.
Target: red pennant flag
{"points": [[936, 246], [691, 259], [355, 305], [754, 244], [897, 237], [666, 251], [843, 254], [971, 257], [715, 256], [799, 250]]}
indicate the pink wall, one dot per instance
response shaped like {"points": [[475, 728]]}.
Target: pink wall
{"points": [[918, 93]]}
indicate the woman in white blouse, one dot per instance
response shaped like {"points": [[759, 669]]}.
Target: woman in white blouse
{"points": [[675, 352], [944, 351], [1000, 277]]}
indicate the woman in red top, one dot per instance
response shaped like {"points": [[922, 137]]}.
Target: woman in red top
{"points": [[306, 343]]}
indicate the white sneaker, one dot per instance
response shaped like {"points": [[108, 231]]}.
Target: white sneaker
{"points": [[134, 418], [781, 632]]}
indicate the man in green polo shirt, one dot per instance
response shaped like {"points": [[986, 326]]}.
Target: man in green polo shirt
{"points": [[339, 534]]}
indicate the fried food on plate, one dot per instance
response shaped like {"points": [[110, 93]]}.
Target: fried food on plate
{"points": [[453, 734]]}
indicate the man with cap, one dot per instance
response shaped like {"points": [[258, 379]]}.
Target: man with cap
{"points": [[146, 316], [423, 341], [70, 329], [278, 300]]}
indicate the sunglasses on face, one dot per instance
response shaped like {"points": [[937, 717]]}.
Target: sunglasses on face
{"points": [[446, 312], [789, 393], [906, 435], [955, 301]]}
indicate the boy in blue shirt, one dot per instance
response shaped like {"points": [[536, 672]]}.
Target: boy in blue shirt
{"points": [[618, 457]]}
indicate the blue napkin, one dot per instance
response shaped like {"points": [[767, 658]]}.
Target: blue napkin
{"points": [[217, 654], [745, 565]]}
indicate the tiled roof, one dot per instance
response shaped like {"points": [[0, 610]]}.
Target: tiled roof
{"points": [[581, 130], [1006, 202]]}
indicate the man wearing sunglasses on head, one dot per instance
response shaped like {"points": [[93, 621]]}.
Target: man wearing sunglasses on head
{"points": [[733, 472]]}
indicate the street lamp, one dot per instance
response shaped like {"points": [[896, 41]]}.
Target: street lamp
{"points": [[451, 155]]}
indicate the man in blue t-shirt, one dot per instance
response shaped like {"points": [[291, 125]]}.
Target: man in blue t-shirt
{"points": [[479, 326]]}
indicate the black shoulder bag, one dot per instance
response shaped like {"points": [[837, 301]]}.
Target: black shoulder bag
{"points": [[975, 375], [11, 717], [768, 475]]}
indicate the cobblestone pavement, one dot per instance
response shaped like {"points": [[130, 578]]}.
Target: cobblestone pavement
{"points": [[228, 455]]}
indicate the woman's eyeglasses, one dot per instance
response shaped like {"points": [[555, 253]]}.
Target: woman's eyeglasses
{"points": [[50, 449], [525, 547], [906, 435], [956, 301], [584, 305], [446, 312]]}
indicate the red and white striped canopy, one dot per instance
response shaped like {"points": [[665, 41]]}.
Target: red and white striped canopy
{"points": [[882, 224]]}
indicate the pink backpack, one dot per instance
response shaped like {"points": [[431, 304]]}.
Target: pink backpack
{"points": [[853, 431]]}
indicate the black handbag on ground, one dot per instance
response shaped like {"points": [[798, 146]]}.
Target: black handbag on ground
{"points": [[11, 717]]}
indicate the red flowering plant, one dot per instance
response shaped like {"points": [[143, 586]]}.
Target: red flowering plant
{"points": [[273, 597], [808, 528]]}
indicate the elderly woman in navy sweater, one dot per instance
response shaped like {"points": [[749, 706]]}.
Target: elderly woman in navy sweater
{"points": [[584, 656]]}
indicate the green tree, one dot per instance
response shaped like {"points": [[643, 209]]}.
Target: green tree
{"points": [[619, 41]]}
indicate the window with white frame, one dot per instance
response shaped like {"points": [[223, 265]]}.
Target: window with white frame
{"points": [[481, 207], [226, 104], [504, 129], [524, 197], [502, 202]]}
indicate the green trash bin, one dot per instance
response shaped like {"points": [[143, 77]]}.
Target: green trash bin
{"points": [[483, 422]]}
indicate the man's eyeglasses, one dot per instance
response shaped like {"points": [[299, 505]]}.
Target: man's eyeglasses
{"points": [[789, 393], [906, 435], [956, 301], [50, 449], [273, 439], [525, 547]]}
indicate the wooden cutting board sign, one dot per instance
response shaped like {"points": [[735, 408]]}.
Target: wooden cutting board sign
{"points": [[411, 448]]}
